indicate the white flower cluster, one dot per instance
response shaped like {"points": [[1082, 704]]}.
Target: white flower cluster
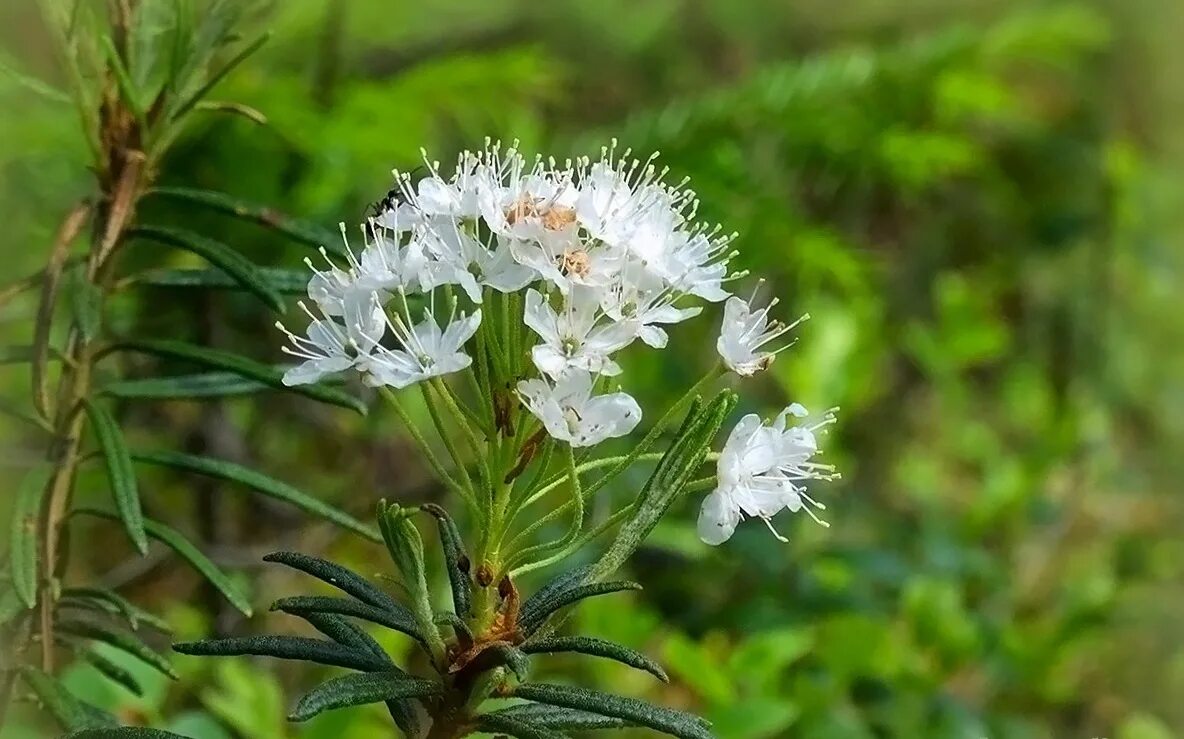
{"points": [[604, 253], [761, 472]]}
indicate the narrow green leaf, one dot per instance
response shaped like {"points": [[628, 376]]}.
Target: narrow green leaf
{"points": [[596, 648], [179, 544], [562, 719], [86, 302], [533, 620], [347, 634], [113, 672], [339, 577], [360, 689], [282, 280], [317, 651], [399, 619], [123, 80], [257, 481], [184, 387], [240, 365], [304, 232], [235, 265], [24, 545], [186, 105], [122, 641], [509, 725], [33, 84], [666, 483], [111, 602], [120, 473], [665, 720], [70, 712], [455, 559], [561, 582]]}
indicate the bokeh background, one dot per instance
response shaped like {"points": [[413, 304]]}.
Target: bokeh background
{"points": [[978, 202]]}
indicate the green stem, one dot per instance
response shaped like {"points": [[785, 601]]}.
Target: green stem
{"points": [[429, 455], [571, 538], [659, 427], [442, 429]]}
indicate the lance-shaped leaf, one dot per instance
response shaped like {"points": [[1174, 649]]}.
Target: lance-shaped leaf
{"points": [[124, 732], [108, 601], [509, 725], [531, 621], [70, 712], [113, 672], [399, 618], [257, 481], [120, 473], [596, 648], [342, 578], [564, 581], [406, 548], [676, 468], [299, 648], [406, 712], [235, 265], [23, 545], [503, 653], [347, 634], [280, 279], [184, 387], [304, 232], [455, 559], [360, 689], [561, 719], [665, 720], [121, 640], [248, 368], [174, 540]]}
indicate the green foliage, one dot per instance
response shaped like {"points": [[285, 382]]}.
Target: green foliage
{"points": [[980, 221], [120, 473]]}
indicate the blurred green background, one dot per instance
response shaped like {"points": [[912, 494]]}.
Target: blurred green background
{"points": [[978, 202]]}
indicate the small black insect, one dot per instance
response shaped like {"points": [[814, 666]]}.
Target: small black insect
{"points": [[396, 194]]}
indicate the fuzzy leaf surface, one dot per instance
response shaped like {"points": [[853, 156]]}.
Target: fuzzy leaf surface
{"points": [[317, 651], [339, 577], [665, 720], [360, 689], [596, 648]]}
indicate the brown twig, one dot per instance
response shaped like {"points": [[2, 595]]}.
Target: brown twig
{"points": [[75, 387], [51, 279]]}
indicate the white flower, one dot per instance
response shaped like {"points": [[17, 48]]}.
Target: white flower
{"points": [[386, 263], [329, 346], [642, 300], [427, 351], [759, 472], [458, 258], [574, 339], [745, 332], [571, 413]]}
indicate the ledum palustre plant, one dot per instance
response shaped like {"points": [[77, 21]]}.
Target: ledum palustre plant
{"points": [[137, 73], [500, 293]]}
